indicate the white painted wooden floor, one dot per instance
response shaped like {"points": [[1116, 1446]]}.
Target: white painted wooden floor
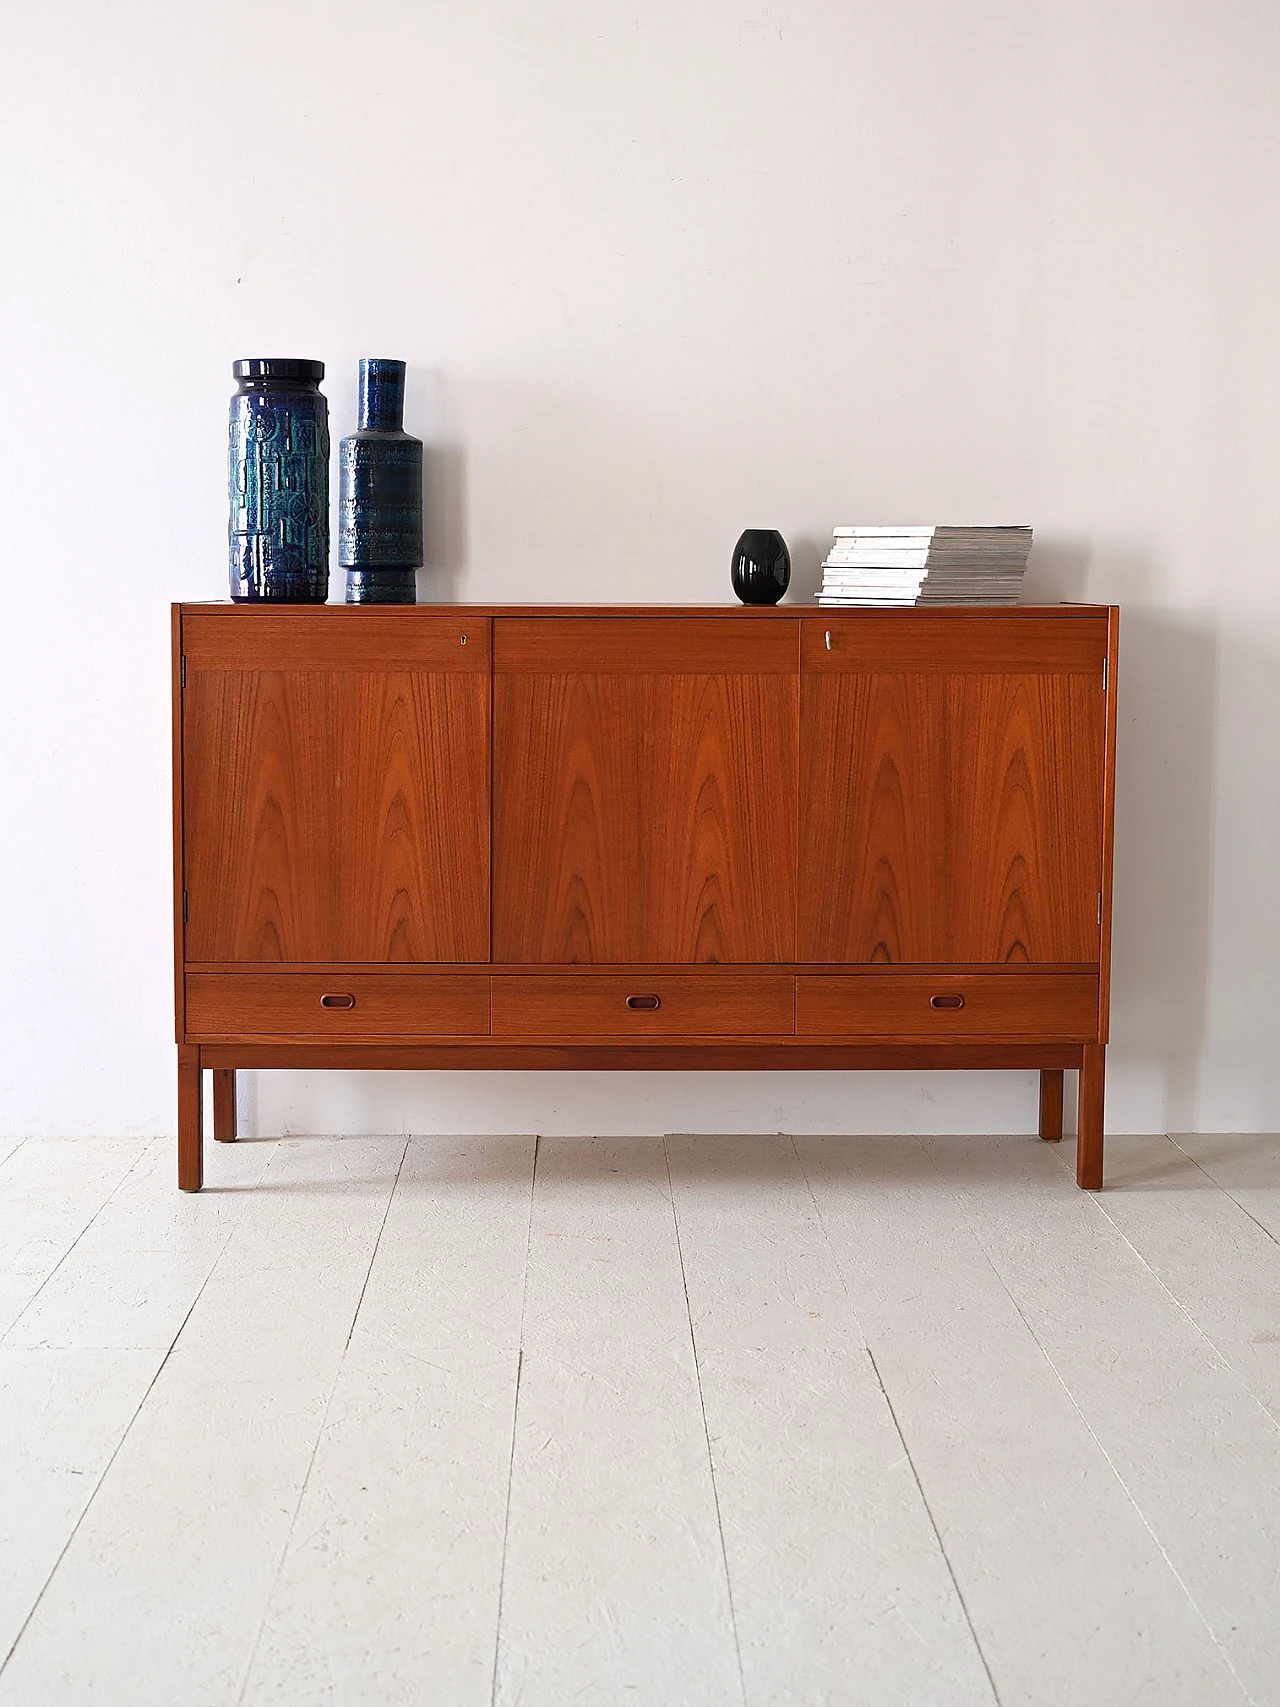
{"points": [[694, 1421]]}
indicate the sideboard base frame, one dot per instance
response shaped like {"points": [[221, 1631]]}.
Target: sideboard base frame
{"points": [[1050, 1060]]}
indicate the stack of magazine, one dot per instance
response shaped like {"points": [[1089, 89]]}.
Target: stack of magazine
{"points": [[925, 566]]}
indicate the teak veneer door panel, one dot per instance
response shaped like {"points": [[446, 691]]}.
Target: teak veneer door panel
{"points": [[952, 789], [644, 790], [335, 810]]}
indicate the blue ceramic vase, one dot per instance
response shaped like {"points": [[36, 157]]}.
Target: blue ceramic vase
{"points": [[761, 567], [278, 477], [380, 493]]}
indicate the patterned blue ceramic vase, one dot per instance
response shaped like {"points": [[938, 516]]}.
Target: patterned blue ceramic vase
{"points": [[278, 533], [380, 493]]}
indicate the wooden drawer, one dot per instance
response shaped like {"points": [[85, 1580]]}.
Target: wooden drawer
{"points": [[935, 1008], [585, 1004], [365, 1007]]}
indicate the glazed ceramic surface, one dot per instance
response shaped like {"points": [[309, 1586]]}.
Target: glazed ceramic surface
{"points": [[278, 480], [761, 566], [380, 493]]}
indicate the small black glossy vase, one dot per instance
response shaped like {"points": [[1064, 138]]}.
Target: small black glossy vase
{"points": [[761, 566], [380, 493], [278, 479]]}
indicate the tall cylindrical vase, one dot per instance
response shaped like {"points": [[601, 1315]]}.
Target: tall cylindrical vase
{"points": [[380, 493], [278, 479]]}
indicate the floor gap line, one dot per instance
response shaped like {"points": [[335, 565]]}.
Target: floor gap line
{"points": [[933, 1524], [706, 1431], [118, 1186], [837, 1267], [124, 1435], [1098, 1202], [1218, 1185], [515, 1419], [1089, 1428], [893, 1417], [324, 1423]]}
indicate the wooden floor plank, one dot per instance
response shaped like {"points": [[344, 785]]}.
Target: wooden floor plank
{"points": [[1071, 1598], [1246, 1165], [62, 1416], [52, 1190], [78, 1362], [133, 1275], [161, 1593], [614, 1584], [649, 1414], [1212, 1255], [836, 1571], [1204, 1471], [389, 1590]]}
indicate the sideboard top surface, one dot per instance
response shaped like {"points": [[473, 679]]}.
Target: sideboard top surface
{"points": [[756, 613]]}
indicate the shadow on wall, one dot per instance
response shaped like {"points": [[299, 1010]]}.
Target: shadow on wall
{"points": [[444, 488], [1165, 760], [807, 554]]}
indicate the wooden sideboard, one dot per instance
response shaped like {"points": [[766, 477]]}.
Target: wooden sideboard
{"points": [[606, 837]]}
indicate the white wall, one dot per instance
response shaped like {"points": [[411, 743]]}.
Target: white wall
{"points": [[660, 271]]}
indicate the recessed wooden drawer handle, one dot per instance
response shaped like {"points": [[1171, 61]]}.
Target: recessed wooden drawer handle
{"points": [[946, 1001], [643, 1002], [345, 1001]]}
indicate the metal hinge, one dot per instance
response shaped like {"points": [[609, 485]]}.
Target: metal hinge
{"points": [[182, 670], [1105, 662], [184, 906], [1099, 906]]}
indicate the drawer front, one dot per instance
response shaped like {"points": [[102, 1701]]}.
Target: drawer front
{"points": [[637, 1005], [933, 1008], [229, 1006]]}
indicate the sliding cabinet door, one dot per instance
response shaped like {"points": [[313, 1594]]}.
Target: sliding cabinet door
{"points": [[645, 789], [335, 786], [952, 787]]}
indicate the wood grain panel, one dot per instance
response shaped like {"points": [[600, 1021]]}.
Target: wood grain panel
{"points": [[336, 815], [227, 1006], [567, 844], [190, 1119], [240, 637], [994, 1007], [1051, 1105], [1090, 1111], [644, 817], [518, 969], [647, 645], [956, 818], [718, 805], [873, 823], [703, 1005], [1108, 819], [179, 874], [1024, 817], [658, 1054], [224, 1105], [954, 643], [531, 610]]}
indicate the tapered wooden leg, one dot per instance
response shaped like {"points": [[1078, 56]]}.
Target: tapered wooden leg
{"points": [[1050, 1103], [1093, 1078], [190, 1119], [224, 1104]]}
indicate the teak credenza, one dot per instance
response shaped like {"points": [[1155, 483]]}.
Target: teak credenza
{"points": [[607, 837]]}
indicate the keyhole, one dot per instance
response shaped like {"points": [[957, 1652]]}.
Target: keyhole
{"points": [[828, 640], [464, 640]]}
